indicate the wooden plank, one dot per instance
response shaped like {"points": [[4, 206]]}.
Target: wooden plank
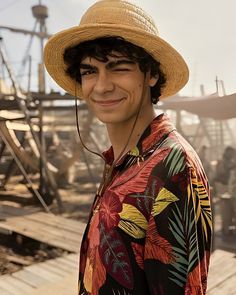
{"points": [[73, 257], [23, 223], [30, 278], [58, 222], [71, 265], [218, 257], [14, 285], [215, 269], [58, 271], [61, 242], [18, 211], [5, 292], [66, 286], [12, 141], [18, 260], [5, 286], [11, 115], [227, 271], [8, 286], [41, 275], [69, 262], [226, 288], [46, 274], [222, 268], [41, 222], [50, 229], [5, 231], [70, 257], [62, 266]]}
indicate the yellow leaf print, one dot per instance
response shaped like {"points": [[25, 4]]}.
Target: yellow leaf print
{"points": [[163, 199], [198, 193], [88, 273], [134, 152], [133, 222]]}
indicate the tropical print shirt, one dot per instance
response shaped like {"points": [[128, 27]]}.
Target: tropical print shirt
{"points": [[150, 230]]}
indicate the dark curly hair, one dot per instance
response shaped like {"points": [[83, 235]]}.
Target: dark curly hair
{"points": [[101, 48]]}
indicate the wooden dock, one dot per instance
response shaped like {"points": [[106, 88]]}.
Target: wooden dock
{"points": [[222, 274], [59, 276], [53, 230]]}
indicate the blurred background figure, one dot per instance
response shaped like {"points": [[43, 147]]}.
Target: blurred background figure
{"points": [[225, 165], [232, 194], [225, 189], [203, 154]]}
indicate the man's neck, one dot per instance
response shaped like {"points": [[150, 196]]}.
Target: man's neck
{"points": [[120, 133]]}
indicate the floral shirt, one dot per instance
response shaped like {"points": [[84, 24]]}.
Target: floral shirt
{"points": [[150, 230]]}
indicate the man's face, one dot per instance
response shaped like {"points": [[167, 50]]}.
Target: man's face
{"points": [[113, 89]]}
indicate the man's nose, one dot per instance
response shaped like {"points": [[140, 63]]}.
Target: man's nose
{"points": [[103, 82]]}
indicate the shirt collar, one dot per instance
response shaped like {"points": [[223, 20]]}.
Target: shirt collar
{"points": [[152, 136]]}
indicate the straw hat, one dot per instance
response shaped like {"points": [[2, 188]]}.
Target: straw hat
{"points": [[116, 18]]}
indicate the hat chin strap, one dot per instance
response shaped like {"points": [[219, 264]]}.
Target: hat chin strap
{"points": [[78, 129]]}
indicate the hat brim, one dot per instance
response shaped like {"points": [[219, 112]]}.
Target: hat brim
{"points": [[172, 64]]}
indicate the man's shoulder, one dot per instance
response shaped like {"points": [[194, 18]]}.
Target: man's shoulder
{"points": [[179, 153]]}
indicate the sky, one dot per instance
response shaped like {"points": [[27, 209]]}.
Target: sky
{"points": [[203, 32]]}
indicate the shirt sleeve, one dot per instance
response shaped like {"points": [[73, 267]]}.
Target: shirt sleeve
{"points": [[178, 238]]}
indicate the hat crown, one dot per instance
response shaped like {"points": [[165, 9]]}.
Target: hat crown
{"points": [[118, 18], [119, 13]]}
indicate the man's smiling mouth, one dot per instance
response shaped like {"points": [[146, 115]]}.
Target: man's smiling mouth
{"points": [[108, 102]]}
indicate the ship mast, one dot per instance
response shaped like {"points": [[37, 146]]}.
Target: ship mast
{"points": [[40, 13]]}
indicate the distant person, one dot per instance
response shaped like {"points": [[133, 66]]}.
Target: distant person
{"points": [[224, 184], [205, 161], [232, 193], [225, 165], [149, 231]]}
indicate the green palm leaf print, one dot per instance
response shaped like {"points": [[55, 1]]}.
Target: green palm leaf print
{"points": [[174, 161], [182, 226]]}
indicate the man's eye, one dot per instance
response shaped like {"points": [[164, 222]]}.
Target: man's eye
{"points": [[121, 69], [86, 73]]}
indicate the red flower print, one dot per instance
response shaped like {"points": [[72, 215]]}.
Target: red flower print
{"points": [[197, 279], [158, 129], [181, 180], [156, 246], [94, 234], [138, 253], [110, 209]]}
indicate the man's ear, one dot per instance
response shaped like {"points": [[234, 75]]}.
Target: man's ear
{"points": [[153, 80]]}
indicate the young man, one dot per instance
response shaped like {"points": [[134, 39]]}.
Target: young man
{"points": [[149, 231]]}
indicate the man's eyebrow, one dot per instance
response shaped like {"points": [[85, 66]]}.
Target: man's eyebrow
{"points": [[86, 66], [118, 62], [109, 65]]}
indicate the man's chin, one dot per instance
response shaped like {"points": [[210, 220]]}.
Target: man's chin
{"points": [[109, 119]]}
